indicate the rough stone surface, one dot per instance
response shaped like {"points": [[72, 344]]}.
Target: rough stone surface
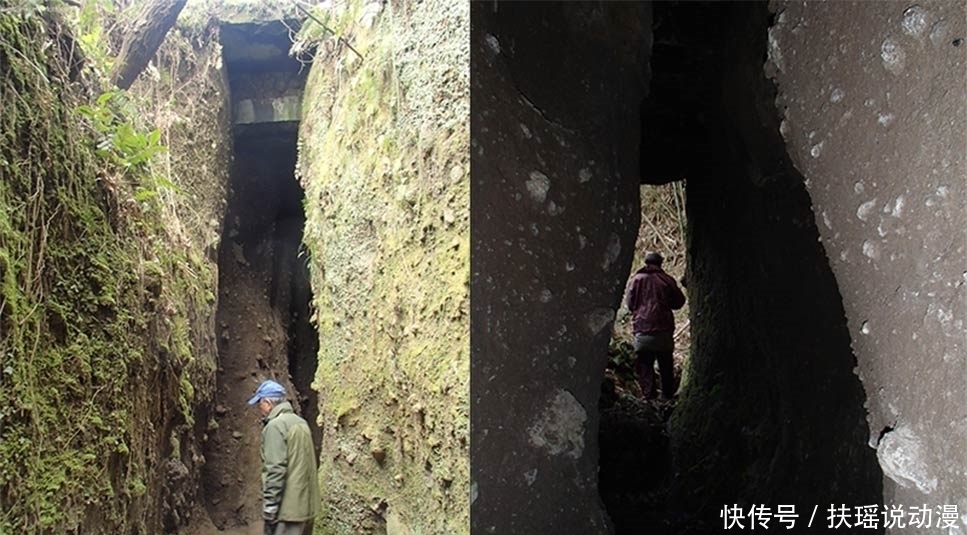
{"points": [[270, 110], [554, 217], [873, 98], [384, 150], [267, 97]]}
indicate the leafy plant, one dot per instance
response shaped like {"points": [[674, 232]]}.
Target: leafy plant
{"points": [[93, 37], [117, 139], [124, 147]]}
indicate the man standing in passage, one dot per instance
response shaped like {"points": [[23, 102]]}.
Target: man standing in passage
{"points": [[290, 490], [651, 298]]}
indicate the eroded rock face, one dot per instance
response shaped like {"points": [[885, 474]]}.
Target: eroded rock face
{"points": [[874, 104], [384, 159], [555, 212]]}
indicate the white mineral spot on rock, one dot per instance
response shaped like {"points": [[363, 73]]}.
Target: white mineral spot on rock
{"points": [[474, 493], [600, 318], [582, 241], [869, 103], [904, 460], [826, 220], [938, 36], [865, 209], [493, 43], [865, 327], [943, 191], [546, 296], [784, 128], [559, 429], [893, 56], [534, 229], [871, 250], [837, 95], [885, 119], [553, 209], [816, 150], [571, 362], [898, 205], [584, 175], [612, 252], [526, 131], [858, 188], [530, 476], [569, 266], [914, 21], [537, 185], [775, 51]]}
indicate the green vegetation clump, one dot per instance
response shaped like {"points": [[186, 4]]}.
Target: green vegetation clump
{"points": [[104, 296]]}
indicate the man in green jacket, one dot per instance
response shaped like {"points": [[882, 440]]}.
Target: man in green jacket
{"points": [[290, 490]]}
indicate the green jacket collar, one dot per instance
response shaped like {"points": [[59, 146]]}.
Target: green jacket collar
{"points": [[285, 406]]}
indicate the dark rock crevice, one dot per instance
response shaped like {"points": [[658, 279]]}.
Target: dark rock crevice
{"points": [[773, 413]]}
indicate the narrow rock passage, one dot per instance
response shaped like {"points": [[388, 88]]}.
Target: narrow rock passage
{"points": [[254, 320], [262, 322]]}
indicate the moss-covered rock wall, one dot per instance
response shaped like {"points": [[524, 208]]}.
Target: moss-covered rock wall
{"points": [[384, 149], [107, 295]]}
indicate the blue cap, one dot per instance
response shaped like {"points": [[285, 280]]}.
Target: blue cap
{"points": [[268, 389]]}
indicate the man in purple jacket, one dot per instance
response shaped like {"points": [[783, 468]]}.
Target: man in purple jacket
{"points": [[651, 298]]}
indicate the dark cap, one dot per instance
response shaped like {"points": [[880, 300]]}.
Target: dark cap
{"points": [[653, 259]]}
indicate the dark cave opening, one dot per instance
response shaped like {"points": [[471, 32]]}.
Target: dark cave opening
{"points": [[772, 413]]}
